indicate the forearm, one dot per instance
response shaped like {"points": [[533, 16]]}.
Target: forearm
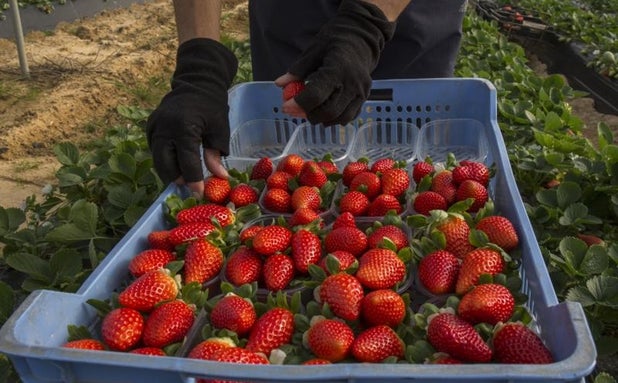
{"points": [[197, 18], [391, 8]]}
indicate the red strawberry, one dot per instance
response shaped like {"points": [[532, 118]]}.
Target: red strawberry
{"points": [[234, 313], [380, 269], [168, 323], [442, 183], [149, 260], [121, 328], [292, 89], [442, 358], [303, 216], [148, 290], [420, 170], [151, 351], [243, 265], [272, 239], [191, 232], [476, 263], [85, 344], [217, 190], [382, 204], [428, 200], [279, 180], [516, 343], [345, 259], [271, 330], [277, 200], [278, 271], [489, 303], [315, 361], [237, 355], [354, 202], [248, 232], [377, 343], [388, 232], [471, 170], [452, 335], [306, 197], [243, 195], [330, 339], [328, 166], [438, 271], [343, 293], [383, 307], [395, 181], [382, 164], [346, 238], [203, 262], [499, 230], [351, 169], [206, 213], [292, 164], [456, 232], [262, 169], [159, 239], [344, 219], [476, 191], [367, 183], [311, 174], [206, 349], [306, 250], [589, 239]]}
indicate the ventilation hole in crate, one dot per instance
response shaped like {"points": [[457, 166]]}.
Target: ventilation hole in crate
{"points": [[447, 108], [427, 108], [437, 108], [387, 109], [378, 109], [419, 109], [419, 122], [275, 110], [427, 119], [399, 108], [409, 108]]}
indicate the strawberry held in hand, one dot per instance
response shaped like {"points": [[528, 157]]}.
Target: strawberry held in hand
{"points": [[292, 89]]}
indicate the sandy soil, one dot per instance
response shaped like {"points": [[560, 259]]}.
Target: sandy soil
{"points": [[82, 70]]}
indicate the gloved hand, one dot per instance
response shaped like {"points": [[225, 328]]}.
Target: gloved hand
{"points": [[194, 113], [337, 66]]}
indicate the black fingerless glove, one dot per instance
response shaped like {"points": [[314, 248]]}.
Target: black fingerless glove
{"points": [[337, 66], [195, 112]]}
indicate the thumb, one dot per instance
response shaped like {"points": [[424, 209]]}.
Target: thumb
{"points": [[285, 79], [212, 159]]}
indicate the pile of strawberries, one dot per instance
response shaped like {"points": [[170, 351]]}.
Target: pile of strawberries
{"points": [[302, 287], [438, 188], [373, 189]]}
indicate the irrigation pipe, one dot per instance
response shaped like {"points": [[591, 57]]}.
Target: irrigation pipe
{"points": [[19, 38]]}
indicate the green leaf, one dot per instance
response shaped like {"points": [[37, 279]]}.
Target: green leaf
{"points": [[66, 263], [30, 265], [10, 219], [67, 153], [596, 261], [573, 214], [85, 215], [573, 251], [7, 302], [67, 233], [582, 295], [568, 193], [123, 163], [604, 289]]}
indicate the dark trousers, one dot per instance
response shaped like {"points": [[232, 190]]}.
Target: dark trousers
{"points": [[425, 44]]}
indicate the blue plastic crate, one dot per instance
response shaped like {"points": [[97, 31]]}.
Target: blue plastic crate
{"points": [[32, 335]]}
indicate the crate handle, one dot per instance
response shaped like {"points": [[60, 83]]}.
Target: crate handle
{"points": [[380, 95]]}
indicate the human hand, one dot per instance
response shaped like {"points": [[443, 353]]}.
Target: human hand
{"points": [[194, 116], [337, 66]]}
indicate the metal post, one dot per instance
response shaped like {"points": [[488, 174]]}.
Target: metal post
{"points": [[19, 38]]}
